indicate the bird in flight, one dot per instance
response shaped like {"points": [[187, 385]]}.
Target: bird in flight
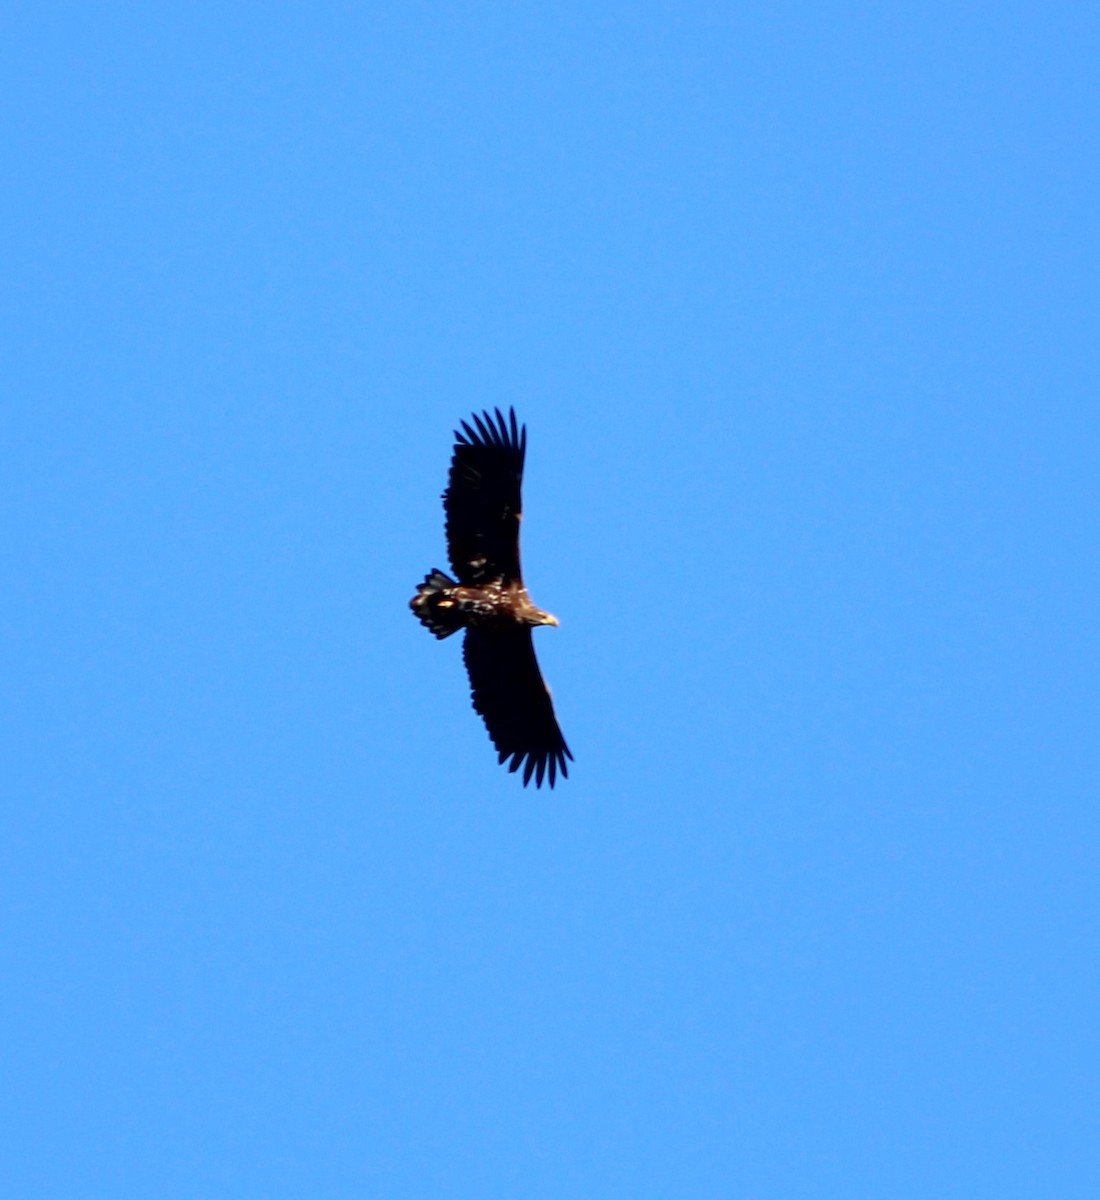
{"points": [[483, 507]]}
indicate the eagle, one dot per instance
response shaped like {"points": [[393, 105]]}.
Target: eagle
{"points": [[483, 507]]}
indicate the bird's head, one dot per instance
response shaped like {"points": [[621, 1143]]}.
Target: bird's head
{"points": [[545, 618]]}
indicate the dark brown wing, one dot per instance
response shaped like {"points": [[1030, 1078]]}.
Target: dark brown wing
{"points": [[510, 695], [482, 500]]}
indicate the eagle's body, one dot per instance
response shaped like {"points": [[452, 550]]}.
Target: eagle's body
{"points": [[483, 507], [445, 606]]}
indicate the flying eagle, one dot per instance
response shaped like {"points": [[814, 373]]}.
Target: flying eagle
{"points": [[489, 601]]}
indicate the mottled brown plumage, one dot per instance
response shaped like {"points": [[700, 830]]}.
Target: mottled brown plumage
{"points": [[487, 598]]}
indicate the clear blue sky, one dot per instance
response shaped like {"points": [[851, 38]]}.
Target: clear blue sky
{"points": [[799, 302]]}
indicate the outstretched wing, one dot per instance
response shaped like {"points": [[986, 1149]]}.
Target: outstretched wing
{"points": [[482, 500], [515, 704]]}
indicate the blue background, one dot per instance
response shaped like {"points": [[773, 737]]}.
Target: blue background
{"points": [[799, 303]]}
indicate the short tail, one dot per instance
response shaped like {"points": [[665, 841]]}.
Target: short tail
{"points": [[434, 607]]}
